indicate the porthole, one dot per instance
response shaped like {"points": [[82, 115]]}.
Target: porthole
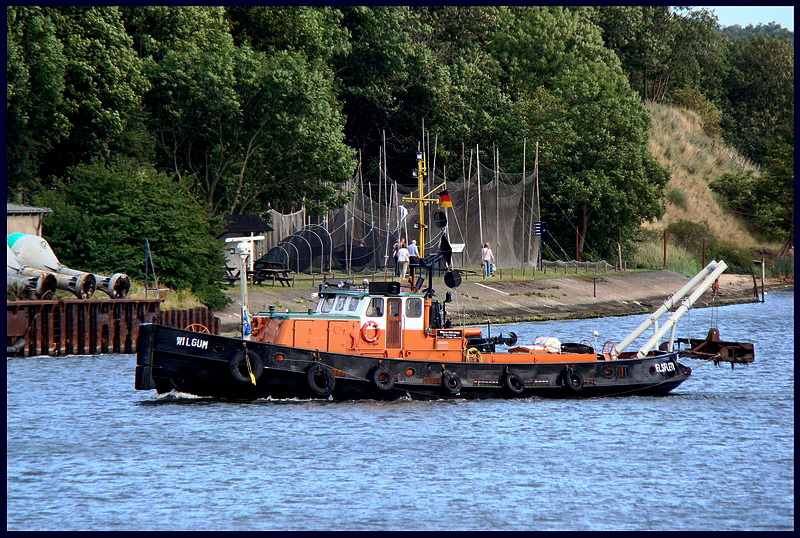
{"points": [[410, 372], [279, 357], [219, 348]]}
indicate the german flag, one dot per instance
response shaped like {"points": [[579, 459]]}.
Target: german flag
{"points": [[444, 199]]}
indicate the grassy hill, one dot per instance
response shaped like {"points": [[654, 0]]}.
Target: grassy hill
{"points": [[678, 141]]}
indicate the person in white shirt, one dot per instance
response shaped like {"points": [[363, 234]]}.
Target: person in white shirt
{"points": [[488, 258], [413, 256], [402, 259]]}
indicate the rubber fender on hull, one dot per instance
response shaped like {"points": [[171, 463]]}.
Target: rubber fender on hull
{"points": [[382, 377], [572, 380], [240, 369], [513, 382], [451, 383], [320, 380]]}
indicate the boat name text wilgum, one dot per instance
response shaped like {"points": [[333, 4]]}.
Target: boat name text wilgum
{"points": [[192, 342]]}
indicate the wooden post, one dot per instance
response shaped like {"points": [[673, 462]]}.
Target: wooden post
{"points": [[763, 295], [577, 253], [619, 255], [704, 252], [594, 285], [665, 249]]}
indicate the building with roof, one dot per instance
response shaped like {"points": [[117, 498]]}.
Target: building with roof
{"points": [[25, 219], [244, 226]]}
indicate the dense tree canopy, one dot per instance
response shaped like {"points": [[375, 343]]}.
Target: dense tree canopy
{"points": [[249, 107]]}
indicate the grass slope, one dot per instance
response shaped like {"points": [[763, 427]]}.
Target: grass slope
{"points": [[678, 141]]}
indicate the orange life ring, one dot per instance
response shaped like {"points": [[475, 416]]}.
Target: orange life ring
{"points": [[370, 325], [254, 323]]}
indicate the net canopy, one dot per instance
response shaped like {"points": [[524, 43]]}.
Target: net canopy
{"points": [[489, 206]]}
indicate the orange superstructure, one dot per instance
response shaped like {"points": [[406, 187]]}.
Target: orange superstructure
{"points": [[392, 324]]}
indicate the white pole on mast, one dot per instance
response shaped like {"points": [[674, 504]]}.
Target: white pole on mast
{"points": [[480, 211]]}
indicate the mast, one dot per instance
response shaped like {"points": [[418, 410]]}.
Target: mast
{"points": [[422, 198]]}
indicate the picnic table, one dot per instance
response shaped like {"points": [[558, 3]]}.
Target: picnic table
{"points": [[232, 274], [275, 271]]}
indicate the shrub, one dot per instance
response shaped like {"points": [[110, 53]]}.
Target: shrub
{"points": [[693, 99], [103, 213], [676, 197], [689, 235]]}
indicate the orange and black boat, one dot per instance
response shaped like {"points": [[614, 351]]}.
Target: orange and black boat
{"points": [[379, 341], [383, 341]]}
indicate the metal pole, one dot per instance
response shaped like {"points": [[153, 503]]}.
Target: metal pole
{"points": [[668, 305], [687, 304]]}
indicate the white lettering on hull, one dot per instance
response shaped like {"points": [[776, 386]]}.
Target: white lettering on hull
{"points": [[192, 342]]}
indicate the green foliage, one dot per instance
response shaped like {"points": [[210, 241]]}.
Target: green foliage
{"points": [[662, 48], [759, 93], [739, 260], [772, 29], [252, 107], [75, 83], [650, 255], [676, 197], [248, 129], [692, 98], [689, 235], [103, 214], [781, 268], [766, 201]]}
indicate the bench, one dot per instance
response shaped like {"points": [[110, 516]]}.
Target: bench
{"points": [[231, 275], [274, 271]]}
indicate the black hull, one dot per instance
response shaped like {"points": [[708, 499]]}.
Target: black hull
{"points": [[171, 359]]}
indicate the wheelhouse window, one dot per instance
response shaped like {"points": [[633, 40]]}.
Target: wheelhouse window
{"points": [[375, 309], [340, 300], [327, 303], [352, 306], [394, 309], [414, 307]]}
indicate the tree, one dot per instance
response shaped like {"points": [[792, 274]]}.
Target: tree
{"points": [[315, 31], [74, 84], [601, 176], [248, 129], [759, 92], [35, 84], [93, 230], [765, 200], [663, 47]]}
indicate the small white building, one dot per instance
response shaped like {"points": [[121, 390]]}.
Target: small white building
{"points": [[25, 219]]}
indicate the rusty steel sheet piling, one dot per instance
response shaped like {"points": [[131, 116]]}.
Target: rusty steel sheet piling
{"points": [[89, 327]]}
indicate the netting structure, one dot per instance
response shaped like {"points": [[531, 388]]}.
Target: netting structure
{"points": [[489, 206]]}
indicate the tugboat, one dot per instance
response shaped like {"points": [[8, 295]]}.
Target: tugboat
{"points": [[386, 341], [381, 342]]}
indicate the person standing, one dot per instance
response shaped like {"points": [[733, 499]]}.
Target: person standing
{"points": [[488, 259], [413, 256], [395, 248], [402, 259]]}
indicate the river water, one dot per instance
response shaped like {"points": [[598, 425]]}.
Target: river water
{"points": [[88, 452]]}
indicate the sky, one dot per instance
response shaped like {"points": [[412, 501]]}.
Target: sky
{"points": [[745, 15]]}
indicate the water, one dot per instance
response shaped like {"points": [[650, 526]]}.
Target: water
{"points": [[88, 452]]}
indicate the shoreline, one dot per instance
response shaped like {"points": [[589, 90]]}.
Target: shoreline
{"points": [[512, 301]]}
